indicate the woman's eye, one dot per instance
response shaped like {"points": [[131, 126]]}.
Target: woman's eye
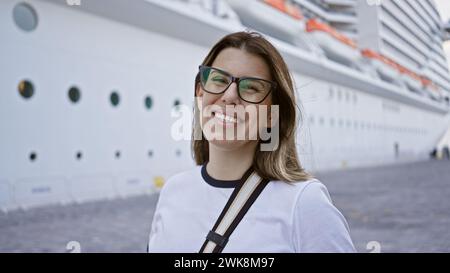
{"points": [[220, 79], [252, 89]]}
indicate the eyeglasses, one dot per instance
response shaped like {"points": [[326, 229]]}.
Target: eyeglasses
{"points": [[252, 90]]}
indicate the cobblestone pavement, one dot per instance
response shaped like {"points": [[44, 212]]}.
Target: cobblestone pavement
{"points": [[405, 208]]}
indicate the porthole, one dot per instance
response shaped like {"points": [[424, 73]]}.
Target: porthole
{"points": [[114, 98], [26, 89], [25, 17], [79, 155], [150, 153], [177, 103], [33, 156], [148, 102], [117, 154], [74, 94]]}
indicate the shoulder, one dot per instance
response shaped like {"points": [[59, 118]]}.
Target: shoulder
{"points": [[318, 225], [313, 192], [312, 198], [308, 190]]}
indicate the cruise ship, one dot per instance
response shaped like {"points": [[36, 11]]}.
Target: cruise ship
{"points": [[89, 94]]}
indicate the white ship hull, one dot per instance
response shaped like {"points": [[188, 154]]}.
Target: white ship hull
{"points": [[101, 50]]}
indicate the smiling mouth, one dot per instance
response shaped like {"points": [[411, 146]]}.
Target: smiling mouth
{"points": [[224, 118]]}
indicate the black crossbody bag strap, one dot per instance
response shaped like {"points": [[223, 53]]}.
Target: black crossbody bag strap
{"points": [[237, 206]]}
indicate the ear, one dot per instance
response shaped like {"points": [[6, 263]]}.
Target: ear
{"points": [[198, 95], [198, 90]]}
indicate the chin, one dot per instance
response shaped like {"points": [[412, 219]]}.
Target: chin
{"points": [[230, 145]]}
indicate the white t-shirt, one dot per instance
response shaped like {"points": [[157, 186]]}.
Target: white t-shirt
{"points": [[284, 217]]}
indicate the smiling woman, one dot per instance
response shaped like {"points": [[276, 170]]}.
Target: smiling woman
{"points": [[261, 200]]}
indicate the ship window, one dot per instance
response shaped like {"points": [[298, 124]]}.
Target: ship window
{"points": [[74, 94], [178, 152], [331, 92], [117, 154], [332, 122], [79, 155], [148, 102], [150, 153], [311, 120], [26, 89], [25, 17], [33, 156], [339, 94], [114, 98], [176, 104], [321, 120], [347, 96]]}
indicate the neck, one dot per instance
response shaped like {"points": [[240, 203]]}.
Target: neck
{"points": [[230, 164]]}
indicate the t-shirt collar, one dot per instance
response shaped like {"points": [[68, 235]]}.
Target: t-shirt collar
{"points": [[224, 183]]}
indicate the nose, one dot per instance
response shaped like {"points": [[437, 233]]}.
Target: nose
{"points": [[231, 94]]}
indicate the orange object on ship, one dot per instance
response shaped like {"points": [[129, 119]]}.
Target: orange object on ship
{"points": [[314, 25], [285, 7]]}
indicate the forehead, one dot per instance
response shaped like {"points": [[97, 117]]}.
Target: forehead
{"points": [[240, 63]]}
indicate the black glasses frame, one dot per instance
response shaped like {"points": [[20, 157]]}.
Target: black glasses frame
{"points": [[237, 80]]}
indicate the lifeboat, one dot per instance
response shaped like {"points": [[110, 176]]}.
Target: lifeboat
{"points": [[336, 45], [411, 79], [391, 70], [385, 67], [278, 18], [432, 89]]}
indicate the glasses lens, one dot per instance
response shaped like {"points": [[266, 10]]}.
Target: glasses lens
{"points": [[254, 90], [213, 80]]}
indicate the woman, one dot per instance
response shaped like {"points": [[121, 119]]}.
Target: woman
{"points": [[292, 212]]}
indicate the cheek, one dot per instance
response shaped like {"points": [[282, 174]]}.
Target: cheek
{"points": [[261, 118], [211, 98], [207, 103]]}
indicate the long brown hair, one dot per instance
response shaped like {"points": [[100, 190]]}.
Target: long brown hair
{"points": [[283, 163]]}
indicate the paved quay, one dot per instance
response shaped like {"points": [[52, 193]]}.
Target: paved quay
{"points": [[398, 208]]}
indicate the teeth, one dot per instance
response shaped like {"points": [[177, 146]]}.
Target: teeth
{"points": [[225, 117]]}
